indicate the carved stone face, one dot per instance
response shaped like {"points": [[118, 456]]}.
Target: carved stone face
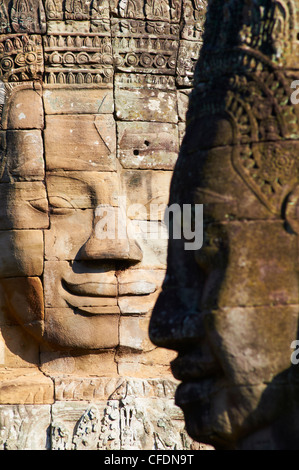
{"points": [[76, 252], [231, 308], [96, 95]]}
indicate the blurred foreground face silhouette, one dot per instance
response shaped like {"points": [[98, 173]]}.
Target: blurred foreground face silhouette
{"points": [[230, 309]]}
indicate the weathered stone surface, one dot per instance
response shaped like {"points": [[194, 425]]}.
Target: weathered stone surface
{"points": [[68, 233], [182, 130], [139, 281], [144, 365], [24, 427], [187, 57], [17, 350], [155, 55], [24, 206], [147, 145], [258, 274], [271, 326], [135, 81], [27, 18], [78, 100], [25, 386], [152, 238], [21, 253], [137, 305], [18, 110], [133, 333], [146, 105], [87, 84], [78, 57], [23, 156], [79, 376], [140, 431], [24, 301], [81, 189], [80, 142], [193, 18], [73, 237], [183, 102], [65, 328], [103, 388], [147, 193], [69, 26]]}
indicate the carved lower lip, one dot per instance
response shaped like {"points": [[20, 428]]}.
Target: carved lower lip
{"points": [[190, 368], [90, 289]]}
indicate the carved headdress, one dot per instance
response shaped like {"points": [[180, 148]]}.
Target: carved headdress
{"points": [[245, 74]]}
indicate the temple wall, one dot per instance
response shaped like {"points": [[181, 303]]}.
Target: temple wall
{"points": [[93, 102]]}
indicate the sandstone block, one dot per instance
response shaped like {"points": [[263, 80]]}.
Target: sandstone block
{"points": [[188, 55], [183, 103], [140, 305], [266, 278], [182, 131], [133, 334], [21, 253], [130, 81], [81, 190], [146, 105], [24, 300], [70, 26], [80, 376], [136, 368], [152, 238], [24, 155], [24, 109], [147, 193], [80, 142], [78, 101], [24, 205], [147, 145], [66, 329], [25, 386], [17, 348]]}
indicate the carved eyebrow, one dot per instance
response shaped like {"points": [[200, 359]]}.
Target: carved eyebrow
{"points": [[210, 197]]}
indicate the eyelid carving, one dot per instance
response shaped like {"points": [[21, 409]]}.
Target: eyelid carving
{"points": [[61, 202], [55, 204], [59, 205], [40, 204]]}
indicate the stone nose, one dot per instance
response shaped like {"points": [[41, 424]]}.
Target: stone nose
{"points": [[109, 238], [95, 249], [176, 322]]}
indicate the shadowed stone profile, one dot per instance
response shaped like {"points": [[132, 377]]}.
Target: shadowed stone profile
{"points": [[231, 309]]}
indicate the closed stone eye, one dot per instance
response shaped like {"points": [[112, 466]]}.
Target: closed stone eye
{"points": [[60, 206]]}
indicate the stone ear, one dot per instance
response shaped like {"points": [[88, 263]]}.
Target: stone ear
{"points": [[291, 210]]}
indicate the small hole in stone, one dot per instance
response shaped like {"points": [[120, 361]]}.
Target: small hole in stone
{"points": [[136, 152], [147, 143]]}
